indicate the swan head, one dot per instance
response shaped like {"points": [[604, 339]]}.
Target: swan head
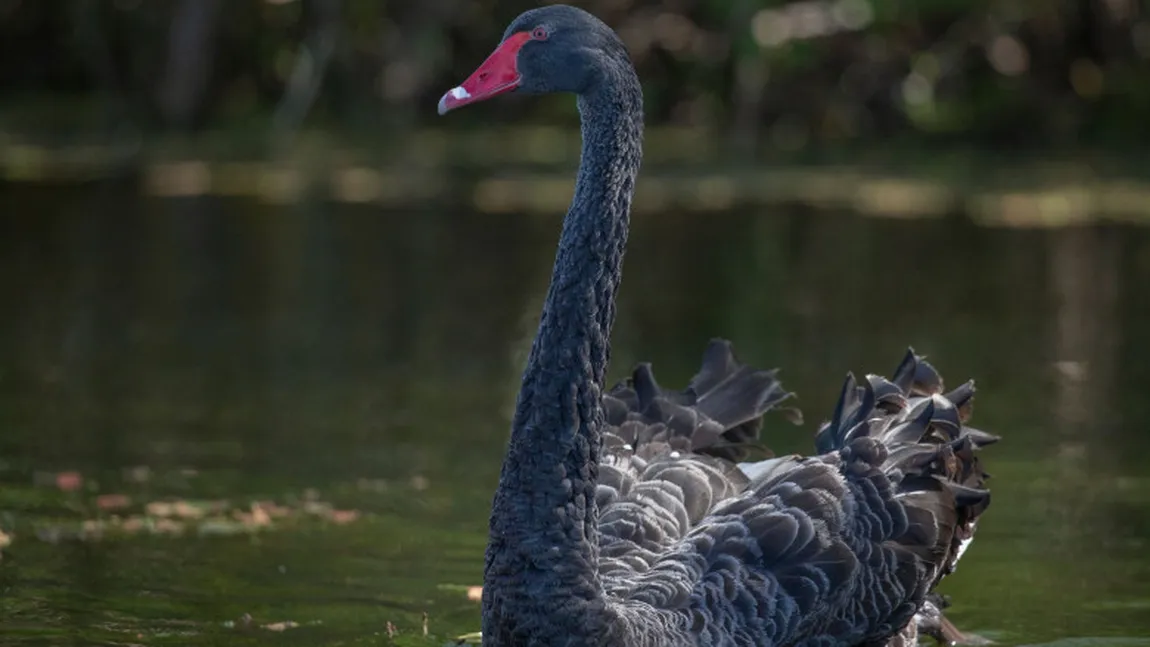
{"points": [[552, 49]]}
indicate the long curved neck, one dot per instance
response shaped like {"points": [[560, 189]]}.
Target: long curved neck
{"points": [[542, 557]]}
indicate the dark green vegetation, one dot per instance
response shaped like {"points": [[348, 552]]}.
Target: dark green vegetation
{"points": [[374, 356], [800, 73]]}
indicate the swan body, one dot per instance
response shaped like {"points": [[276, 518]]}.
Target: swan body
{"points": [[635, 516], [878, 517]]}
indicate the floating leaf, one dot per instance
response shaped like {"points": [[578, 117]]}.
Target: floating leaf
{"points": [[281, 626], [69, 481], [343, 516], [113, 501]]}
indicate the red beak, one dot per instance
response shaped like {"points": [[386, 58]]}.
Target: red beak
{"points": [[498, 74]]}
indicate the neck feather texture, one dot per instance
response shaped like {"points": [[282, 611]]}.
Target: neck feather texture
{"points": [[540, 577]]}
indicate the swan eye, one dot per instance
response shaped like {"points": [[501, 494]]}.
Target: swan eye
{"points": [[539, 33]]}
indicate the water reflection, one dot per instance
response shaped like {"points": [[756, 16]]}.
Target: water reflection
{"points": [[279, 348]]}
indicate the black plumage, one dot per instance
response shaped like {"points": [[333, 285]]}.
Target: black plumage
{"points": [[633, 517]]}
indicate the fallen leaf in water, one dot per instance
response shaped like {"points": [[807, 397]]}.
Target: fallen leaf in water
{"points": [[172, 516], [133, 524], [281, 626], [474, 637], [475, 593], [319, 508], [221, 527], [113, 501], [273, 509], [256, 518], [186, 510], [5, 539], [92, 529], [343, 516], [244, 622], [69, 481], [168, 527], [159, 509]]}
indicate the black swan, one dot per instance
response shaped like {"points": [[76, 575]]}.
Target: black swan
{"points": [[630, 517]]}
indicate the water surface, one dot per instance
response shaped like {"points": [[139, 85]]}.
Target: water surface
{"points": [[368, 359]]}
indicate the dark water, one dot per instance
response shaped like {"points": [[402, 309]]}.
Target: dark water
{"points": [[247, 351]]}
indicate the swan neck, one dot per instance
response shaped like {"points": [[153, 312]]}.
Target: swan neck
{"points": [[544, 520]]}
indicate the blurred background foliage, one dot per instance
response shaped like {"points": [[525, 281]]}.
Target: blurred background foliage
{"points": [[1065, 74]]}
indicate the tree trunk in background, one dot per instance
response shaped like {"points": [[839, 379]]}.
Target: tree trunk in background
{"points": [[311, 64], [190, 58], [1107, 22], [415, 46], [90, 38], [751, 73]]}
